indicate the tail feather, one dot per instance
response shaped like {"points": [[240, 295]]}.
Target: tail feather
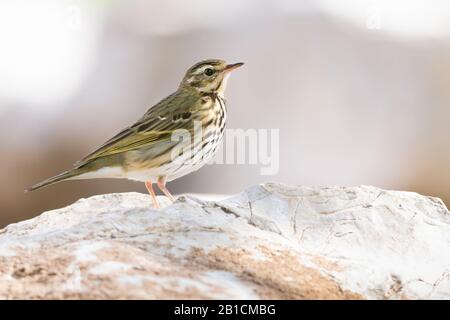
{"points": [[60, 177]]}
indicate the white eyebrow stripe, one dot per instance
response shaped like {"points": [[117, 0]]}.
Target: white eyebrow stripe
{"points": [[202, 69]]}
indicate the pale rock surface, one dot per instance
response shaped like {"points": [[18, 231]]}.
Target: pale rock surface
{"points": [[271, 241]]}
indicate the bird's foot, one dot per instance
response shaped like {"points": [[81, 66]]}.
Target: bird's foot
{"points": [[149, 186], [162, 186]]}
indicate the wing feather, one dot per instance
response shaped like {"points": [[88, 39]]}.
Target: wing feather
{"points": [[156, 126]]}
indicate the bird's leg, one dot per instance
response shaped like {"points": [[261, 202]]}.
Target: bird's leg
{"points": [[149, 186], [162, 186]]}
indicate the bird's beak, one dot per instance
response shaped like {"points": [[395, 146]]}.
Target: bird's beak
{"points": [[233, 66]]}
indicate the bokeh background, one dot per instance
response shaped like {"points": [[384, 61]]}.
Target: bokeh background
{"points": [[360, 90]]}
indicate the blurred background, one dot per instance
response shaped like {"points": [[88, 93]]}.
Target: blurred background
{"points": [[360, 90]]}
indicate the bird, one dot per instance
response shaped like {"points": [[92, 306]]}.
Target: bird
{"points": [[175, 137]]}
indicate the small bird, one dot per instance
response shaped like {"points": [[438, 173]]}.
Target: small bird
{"points": [[173, 138]]}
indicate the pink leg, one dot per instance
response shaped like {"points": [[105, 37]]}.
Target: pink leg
{"points": [[162, 186], [148, 185]]}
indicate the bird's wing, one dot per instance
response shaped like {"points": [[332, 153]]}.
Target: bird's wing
{"points": [[155, 127]]}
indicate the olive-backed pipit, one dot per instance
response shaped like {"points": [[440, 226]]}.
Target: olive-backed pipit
{"points": [[155, 148]]}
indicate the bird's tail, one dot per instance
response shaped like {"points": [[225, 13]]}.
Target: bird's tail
{"points": [[60, 177]]}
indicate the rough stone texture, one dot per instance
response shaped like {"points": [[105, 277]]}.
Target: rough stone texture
{"points": [[271, 241]]}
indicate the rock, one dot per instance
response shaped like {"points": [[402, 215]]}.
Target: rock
{"points": [[271, 241]]}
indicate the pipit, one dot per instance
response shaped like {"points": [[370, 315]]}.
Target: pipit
{"points": [[173, 138]]}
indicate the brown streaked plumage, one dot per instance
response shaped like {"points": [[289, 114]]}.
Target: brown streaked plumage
{"points": [[173, 138]]}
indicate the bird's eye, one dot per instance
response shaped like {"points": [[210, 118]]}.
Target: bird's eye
{"points": [[209, 72]]}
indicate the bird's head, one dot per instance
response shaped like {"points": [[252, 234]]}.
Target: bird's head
{"points": [[209, 76]]}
